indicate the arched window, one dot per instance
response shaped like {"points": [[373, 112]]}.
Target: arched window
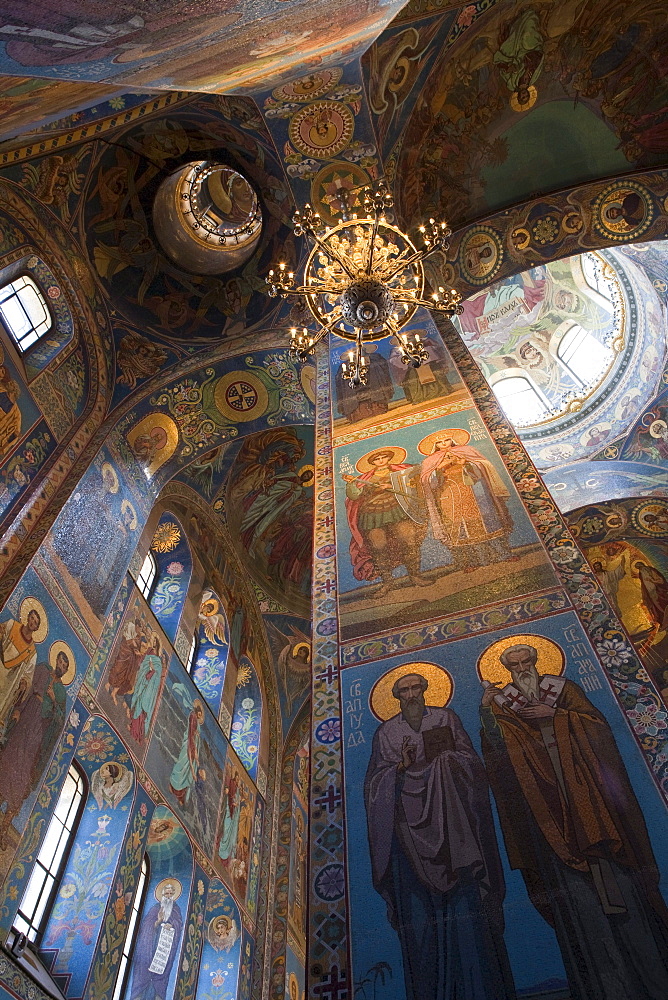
{"points": [[247, 716], [174, 566], [212, 644], [35, 906], [130, 935], [585, 357], [24, 312], [521, 401], [146, 575]]}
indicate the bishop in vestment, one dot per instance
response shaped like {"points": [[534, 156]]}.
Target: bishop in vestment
{"points": [[573, 827], [434, 856]]}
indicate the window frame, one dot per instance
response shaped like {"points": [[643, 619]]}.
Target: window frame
{"points": [[189, 662], [569, 335], [81, 789], [520, 373], [132, 930], [18, 340], [143, 583]]}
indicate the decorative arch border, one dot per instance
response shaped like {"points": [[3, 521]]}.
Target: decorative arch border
{"points": [[553, 226], [36, 227]]}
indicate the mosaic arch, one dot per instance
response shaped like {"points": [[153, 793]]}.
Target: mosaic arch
{"points": [[480, 133], [61, 392]]}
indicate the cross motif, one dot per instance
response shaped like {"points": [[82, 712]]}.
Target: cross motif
{"points": [[549, 690], [516, 698], [328, 675], [331, 986], [331, 799], [327, 587]]}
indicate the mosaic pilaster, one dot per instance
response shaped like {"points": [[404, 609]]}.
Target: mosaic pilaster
{"points": [[327, 959]]}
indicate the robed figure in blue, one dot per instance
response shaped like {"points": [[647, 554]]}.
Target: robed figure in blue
{"points": [[434, 855]]}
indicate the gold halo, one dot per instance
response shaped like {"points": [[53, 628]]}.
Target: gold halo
{"points": [[384, 705], [458, 435], [292, 979], [301, 645], [211, 605], [306, 468], [157, 892], [307, 378], [220, 916], [61, 647], [126, 505], [146, 426], [550, 658], [398, 455], [515, 104], [29, 604], [108, 467]]}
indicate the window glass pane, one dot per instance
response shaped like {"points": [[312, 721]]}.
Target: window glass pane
{"points": [[54, 836], [15, 317], [583, 354], [34, 906], [36, 920], [24, 311], [66, 797], [519, 400], [33, 889], [191, 655], [147, 574]]}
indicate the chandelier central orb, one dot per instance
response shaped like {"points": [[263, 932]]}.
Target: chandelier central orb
{"points": [[363, 281], [366, 303]]}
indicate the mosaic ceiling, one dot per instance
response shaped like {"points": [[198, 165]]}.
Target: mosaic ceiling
{"points": [[573, 349]]}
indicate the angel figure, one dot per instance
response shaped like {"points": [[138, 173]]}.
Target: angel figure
{"points": [[294, 661], [110, 783], [223, 933], [212, 619]]}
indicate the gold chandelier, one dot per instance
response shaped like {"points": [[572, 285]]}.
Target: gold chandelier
{"points": [[363, 281]]}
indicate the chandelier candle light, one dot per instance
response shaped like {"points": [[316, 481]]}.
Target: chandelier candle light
{"points": [[363, 281]]}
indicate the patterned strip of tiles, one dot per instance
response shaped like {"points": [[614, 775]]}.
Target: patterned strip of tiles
{"points": [[485, 619]]}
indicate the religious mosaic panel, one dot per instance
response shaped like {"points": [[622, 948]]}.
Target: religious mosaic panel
{"points": [[468, 834], [429, 524]]}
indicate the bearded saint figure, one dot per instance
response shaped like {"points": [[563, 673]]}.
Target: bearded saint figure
{"points": [[573, 827]]}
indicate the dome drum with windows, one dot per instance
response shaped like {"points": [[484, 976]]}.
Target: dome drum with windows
{"points": [[363, 281], [207, 217]]}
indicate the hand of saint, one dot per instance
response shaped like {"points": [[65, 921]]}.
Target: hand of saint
{"points": [[489, 693], [408, 752]]}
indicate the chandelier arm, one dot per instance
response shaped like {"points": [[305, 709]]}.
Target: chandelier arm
{"points": [[416, 258], [318, 290], [342, 260], [372, 244]]}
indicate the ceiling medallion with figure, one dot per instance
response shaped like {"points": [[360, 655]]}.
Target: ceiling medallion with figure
{"points": [[363, 281]]}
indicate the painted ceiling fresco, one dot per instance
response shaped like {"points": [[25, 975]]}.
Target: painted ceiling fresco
{"points": [[584, 338], [212, 46], [535, 96]]}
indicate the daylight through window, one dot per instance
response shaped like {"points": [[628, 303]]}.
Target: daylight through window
{"points": [[147, 575], [520, 400], [24, 312], [35, 907]]}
